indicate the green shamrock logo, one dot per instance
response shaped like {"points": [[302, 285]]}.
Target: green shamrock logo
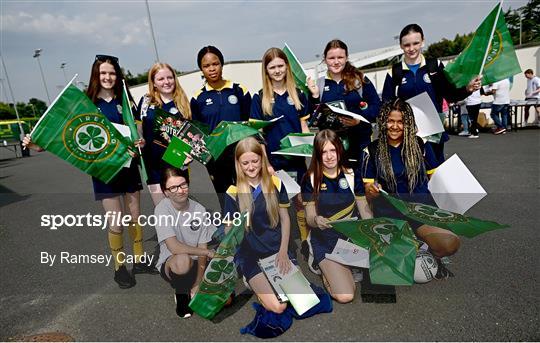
{"points": [[220, 269], [433, 211], [91, 138]]}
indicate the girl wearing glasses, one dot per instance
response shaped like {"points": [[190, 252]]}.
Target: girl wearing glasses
{"points": [[165, 93], [331, 192], [182, 240], [219, 100], [265, 199], [121, 195], [279, 97]]}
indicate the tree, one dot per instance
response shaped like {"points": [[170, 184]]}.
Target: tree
{"points": [[6, 111], [39, 106]]}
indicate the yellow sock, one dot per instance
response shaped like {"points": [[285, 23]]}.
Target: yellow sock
{"points": [[136, 234], [302, 225], [117, 246]]}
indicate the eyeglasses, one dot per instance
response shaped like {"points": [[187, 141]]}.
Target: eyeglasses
{"points": [[175, 188], [103, 58]]}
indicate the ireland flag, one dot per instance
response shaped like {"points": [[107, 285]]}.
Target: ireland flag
{"points": [[490, 52], [455, 222], [225, 134], [220, 276], [74, 130], [297, 70], [391, 244]]}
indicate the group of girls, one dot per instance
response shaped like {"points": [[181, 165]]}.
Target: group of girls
{"points": [[333, 187]]}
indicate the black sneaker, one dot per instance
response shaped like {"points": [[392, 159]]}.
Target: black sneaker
{"points": [[307, 251], [143, 268], [182, 308], [123, 278], [442, 272]]}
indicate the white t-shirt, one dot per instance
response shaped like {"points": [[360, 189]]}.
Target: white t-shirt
{"points": [[502, 92], [532, 85], [191, 227], [474, 99]]}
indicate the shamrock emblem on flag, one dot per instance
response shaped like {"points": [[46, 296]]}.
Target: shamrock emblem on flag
{"points": [[91, 138]]}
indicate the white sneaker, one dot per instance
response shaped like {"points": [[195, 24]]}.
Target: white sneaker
{"points": [[474, 136], [464, 133]]}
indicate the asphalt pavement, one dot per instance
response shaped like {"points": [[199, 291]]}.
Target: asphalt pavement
{"points": [[494, 295]]}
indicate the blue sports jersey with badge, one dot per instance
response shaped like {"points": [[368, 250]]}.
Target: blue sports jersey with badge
{"points": [[230, 103], [290, 123], [261, 239], [112, 110]]}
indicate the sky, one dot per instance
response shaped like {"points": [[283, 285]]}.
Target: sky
{"points": [[73, 32]]}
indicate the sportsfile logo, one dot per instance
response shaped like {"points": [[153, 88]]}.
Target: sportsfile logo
{"points": [[193, 219]]}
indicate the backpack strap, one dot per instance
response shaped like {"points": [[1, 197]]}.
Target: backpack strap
{"points": [[397, 75], [320, 85]]}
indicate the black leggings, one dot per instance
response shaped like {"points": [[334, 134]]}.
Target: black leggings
{"points": [[473, 111]]}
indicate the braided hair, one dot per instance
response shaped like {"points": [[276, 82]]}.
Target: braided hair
{"points": [[411, 153]]}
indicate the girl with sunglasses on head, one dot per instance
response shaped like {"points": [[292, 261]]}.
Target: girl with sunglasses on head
{"points": [[399, 163], [415, 74], [164, 92], [331, 192], [279, 97], [346, 85], [264, 198], [219, 100], [122, 194]]}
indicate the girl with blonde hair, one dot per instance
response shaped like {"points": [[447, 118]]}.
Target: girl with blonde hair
{"points": [[165, 93], [264, 198]]}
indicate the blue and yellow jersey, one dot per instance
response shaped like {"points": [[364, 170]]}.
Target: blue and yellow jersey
{"points": [[230, 103], [290, 122], [398, 166], [336, 199], [418, 79], [112, 110], [261, 237], [360, 135]]}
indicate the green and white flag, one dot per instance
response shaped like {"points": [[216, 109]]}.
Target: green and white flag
{"points": [[304, 150], [297, 70], [220, 276], [391, 244], [432, 215], [127, 116], [225, 134], [490, 52], [74, 130], [293, 139]]}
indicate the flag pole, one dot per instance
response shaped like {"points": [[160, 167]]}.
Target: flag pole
{"points": [[491, 37], [54, 102]]}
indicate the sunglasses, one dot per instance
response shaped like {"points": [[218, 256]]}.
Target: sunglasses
{"points": [[103, 58]]}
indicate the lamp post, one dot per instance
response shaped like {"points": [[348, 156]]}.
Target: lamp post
{"points": [[21, 129], [152, 30], [63, 67], [37, 53]]}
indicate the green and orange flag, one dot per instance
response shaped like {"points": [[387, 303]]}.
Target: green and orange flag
{"points": [[490, 52], [74, 130]]}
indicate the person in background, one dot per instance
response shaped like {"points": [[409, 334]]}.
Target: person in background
{"points": [[500, 108], [532, 93], [472, 104]]}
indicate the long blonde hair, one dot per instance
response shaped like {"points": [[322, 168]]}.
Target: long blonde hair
{"points": [[267, 100], [179, 96], [245, 199]]}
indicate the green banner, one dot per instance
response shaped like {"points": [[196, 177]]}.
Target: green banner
{"points": [[391, 244], [74, 130], [297, 70], [127, 116], [501, 61], [220, 276], [305, 150], [225, 134], [434, 216]]}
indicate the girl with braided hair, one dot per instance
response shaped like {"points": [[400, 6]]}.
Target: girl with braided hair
{"points": [[399, 163]]}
